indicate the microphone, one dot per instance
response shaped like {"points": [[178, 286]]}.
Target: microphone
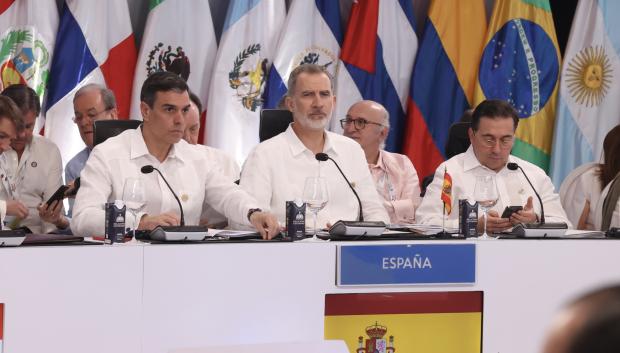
{"points": [[322, 157], [147, 169], [540, 229]]}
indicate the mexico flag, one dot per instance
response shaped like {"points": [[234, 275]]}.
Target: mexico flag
{"points": [[441, 322]]}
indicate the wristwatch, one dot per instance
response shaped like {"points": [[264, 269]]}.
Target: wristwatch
{"points": [[251, 211]]}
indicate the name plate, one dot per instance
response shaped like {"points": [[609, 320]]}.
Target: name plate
{"points": [[405, 264]]}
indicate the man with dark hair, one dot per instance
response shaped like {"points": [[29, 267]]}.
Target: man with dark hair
{"points": [[10, 121], [492, 135], [276, 170], [589, 324], [35, 166], [158, 142]]}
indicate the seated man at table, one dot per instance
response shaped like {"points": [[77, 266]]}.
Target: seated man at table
{"points": [[368, 123], [492, 135], [158, 142], [276, 170], [217, 158]]}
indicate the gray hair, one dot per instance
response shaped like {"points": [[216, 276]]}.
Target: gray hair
{"points": [[311, 69], [107, 96]]}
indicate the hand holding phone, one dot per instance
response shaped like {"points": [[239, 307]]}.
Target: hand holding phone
{"points": [[58, 195], [509, 210]]}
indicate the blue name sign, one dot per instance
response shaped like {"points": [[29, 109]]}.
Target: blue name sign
{"points": [[406, 264]]}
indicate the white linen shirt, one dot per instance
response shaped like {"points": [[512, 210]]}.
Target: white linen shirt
{"points": [[37, 175], [186, 168], [512, 187], [276, 171]]}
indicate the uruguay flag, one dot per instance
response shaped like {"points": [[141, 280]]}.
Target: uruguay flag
{"points": [[589, 87], [312, 34], [378, 52], [443, 80], [95, 44]]}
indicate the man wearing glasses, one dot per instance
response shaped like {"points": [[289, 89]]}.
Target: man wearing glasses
{"points": [[396, 180], [492, 131]]}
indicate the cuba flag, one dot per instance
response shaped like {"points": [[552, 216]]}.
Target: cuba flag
{"points": [[443, 80], [378, 53], [312, 35], [521, 65], [95, 44], [589, 87]]}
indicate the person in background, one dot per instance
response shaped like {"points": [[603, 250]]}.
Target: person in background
{"points": [[396, 180], [10, 121], [35, 167]]}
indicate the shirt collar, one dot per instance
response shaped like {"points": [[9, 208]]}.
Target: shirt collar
{"points": [[138, 147], [297, 147], [380, 162]]}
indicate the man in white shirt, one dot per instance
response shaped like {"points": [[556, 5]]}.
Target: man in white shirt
{"points": [[276, 170], [10, 119], [217, 158], [368, 123], [158, 142], [35, 167], [492, 136]]}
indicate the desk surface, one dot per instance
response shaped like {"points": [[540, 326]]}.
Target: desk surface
{"points": [[155, 298]]}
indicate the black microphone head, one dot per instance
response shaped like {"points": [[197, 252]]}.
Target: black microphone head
{"points": [[321, 157], [512, 166], [147, 169]]}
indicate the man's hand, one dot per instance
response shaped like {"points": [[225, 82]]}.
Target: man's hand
{"points": [[165, 219], [266, 224], [16, 208], [495, 223], [53, 214], [70, 192], [526, 215]]}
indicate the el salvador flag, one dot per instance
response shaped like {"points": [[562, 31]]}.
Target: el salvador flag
{"points": [[312, 34], [95, 44], [378, 55]]}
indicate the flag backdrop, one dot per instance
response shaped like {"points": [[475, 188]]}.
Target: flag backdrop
{"points": [[589, 88], [246, 51], [95, 44], [521, 64], [311, 34], [378, 52], [441, 322], [443, 80], [27, 43], [186, 48]]}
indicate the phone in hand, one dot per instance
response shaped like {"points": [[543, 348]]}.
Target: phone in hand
{"points": [[509, 210], [76, 187], [58, 195]]}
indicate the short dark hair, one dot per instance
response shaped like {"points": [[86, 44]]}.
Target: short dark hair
{"points": [[161, 81], [311, 69], [493, 108], [194, 98], [10, 111], [600, 330], [107, 95], [24, 97]]}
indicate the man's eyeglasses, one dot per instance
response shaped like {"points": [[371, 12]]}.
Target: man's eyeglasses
{"points": [[504, 142], [358, 123], [93, 116]]}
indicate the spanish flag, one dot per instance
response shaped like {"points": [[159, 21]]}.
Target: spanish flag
{"points": [[521, 64], [431, 322], [446, 192]]}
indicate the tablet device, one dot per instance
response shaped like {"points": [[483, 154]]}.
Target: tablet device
{"points": [[58, 195], [509, 210]]}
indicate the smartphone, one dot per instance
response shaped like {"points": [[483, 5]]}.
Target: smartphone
{"points": [[509, 210], [58, 195], [76, 187]]}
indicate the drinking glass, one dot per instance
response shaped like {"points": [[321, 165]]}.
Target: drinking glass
{"points": [[315, 196], [134, 198], [485, 192]]}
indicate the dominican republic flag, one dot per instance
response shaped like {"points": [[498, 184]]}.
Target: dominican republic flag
{"points": [[187, 50], [28, 34], [589, 87], [312, 35], [95, 44], [521, 64], [246, 52], [378, 54], [443, 80]]}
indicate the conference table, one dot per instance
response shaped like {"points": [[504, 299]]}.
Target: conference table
{"points": [[155, 298]]}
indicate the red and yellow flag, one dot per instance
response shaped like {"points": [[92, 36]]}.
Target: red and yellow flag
{"points": [[446, 192]]}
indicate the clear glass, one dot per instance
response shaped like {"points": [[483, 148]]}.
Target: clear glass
{"points": [[315, 196], [485, 192], [134, 198]]}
